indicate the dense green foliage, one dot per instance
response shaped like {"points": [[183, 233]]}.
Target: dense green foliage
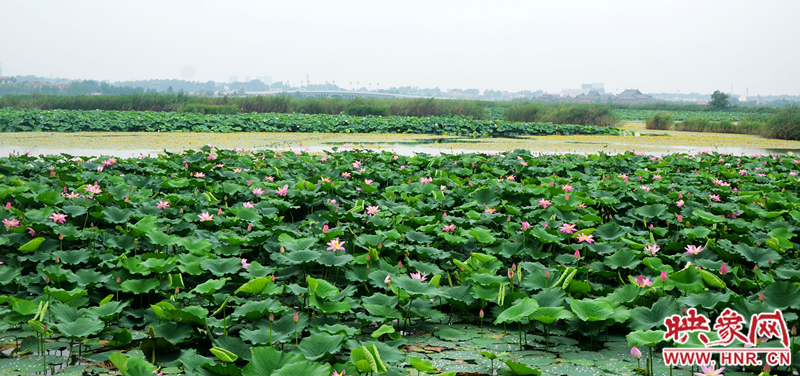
{"points": [[644, 115], [187, 258], [282, 104], [719, 101], [365, 110], [785, 124], [14, 120], [660, 121], [584, 114]]}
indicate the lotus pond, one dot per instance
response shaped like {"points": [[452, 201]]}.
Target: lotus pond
{"points": [[220, 262]]}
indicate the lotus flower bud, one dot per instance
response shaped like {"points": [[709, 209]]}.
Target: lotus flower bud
{"points": [[399, 264], [272, 277], [325, 229], [119, 280], [249, 226], [636, 353], [723, 269], [755, 268], [514, 266], [271, 317], [380, 245], [177, 290], [57, 260], [577, 254], [296, 317], [47, 280], [766, 369], [663, 276], [283, 249], [546, 274], [794, 330], [480, 313], [761, 297]]}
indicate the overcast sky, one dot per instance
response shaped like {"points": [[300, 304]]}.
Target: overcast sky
{"points": [[655, 46]]}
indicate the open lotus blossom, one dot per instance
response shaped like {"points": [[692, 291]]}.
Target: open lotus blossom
{"points": [[345, 174], [490, 210], [32, 232], [525, 226], [12, 223], [656, 177], [585, 238], [679, 203], [336, 245], [510, 178], [545, 203], [368, 181], [245, 264], [710, 370], [567, 228], [58, 218], [373, 210], [693, 250], [652, 249], [162, 204], [283, 191], [449, 228], [338, 374], [567, 188], [258, 191], [387, 280], [419, 276], [643, 282], [248, 204], [714, 197], [199, 175], [94, 189], [357, 164], [204, 216], [425, 180]]}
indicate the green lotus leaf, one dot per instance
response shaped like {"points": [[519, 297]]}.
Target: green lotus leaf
{"points": [[591, 310], [687, 280], [649, 338], [318, 345], [644, 318], [624, 259], [80, 328], [548, 315], [782, 295], [522, 309]]}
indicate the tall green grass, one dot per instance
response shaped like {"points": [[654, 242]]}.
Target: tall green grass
{"points": [[583, 114], [660, 121], [277, 104], [785, 124]]}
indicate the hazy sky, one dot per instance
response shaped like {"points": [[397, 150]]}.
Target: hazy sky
{"points": [[655, 46]]}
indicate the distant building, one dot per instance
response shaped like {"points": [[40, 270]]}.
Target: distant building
{"points": [[591, 97], [632, 96], [549, 98], [5, 80]]}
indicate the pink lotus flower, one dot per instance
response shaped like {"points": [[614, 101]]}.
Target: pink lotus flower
{"points": [[32, 232], [584, 238], [680, 218], [245, 265], [710, 370], [653, 249], [162, 204], [442, 187], [663, 276], [387, 280], [425, 180], [723, 269], [545, 203], [345, 174], [283, 191], [248, 204], [656, 177], [714, 197], [490, 210], [636, 353], [373, 210], [449, 228], [368, 181], [94, 189], [525, 226], [338, 374], [58, 218], [510, 178], [419, 276], [679, 203], [336, 245], [325, 229], [13, 223], [357, 165], [567, 188], [204, 216], [577, 254], [258, 191], [693, 250], [199, 175], [567, 228], [643, 282]]}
